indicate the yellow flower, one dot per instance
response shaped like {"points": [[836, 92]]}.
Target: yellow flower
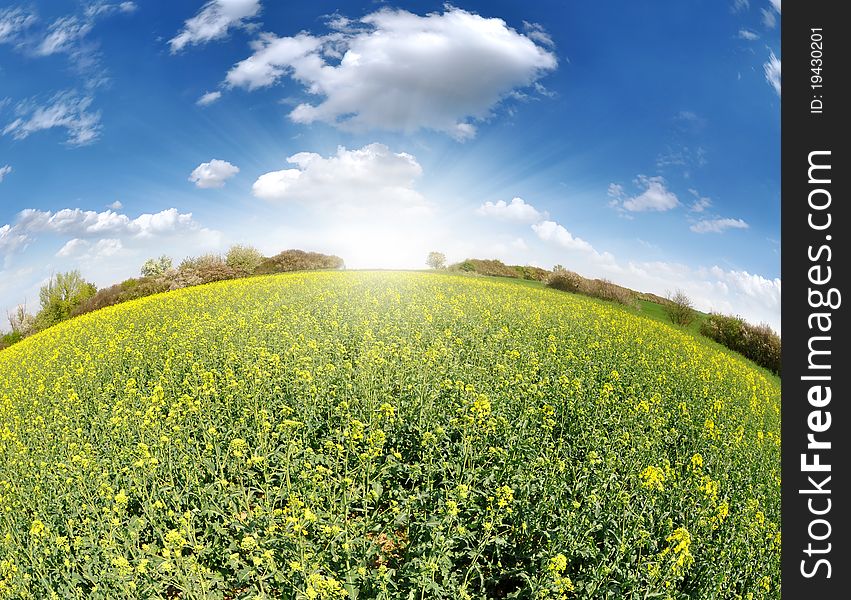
{"points": [[653, 478]]}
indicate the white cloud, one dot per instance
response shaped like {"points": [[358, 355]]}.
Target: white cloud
{"points": [[615, 190], [718, 225], [82, 223], [63, 35], [776, 5], [536, 31], [769, 19], [11, 239], [552, 231], [128, 7], [655, 197], [66, 110], [72, 247], [84, 251], [208, 98], [116, 205], [213, 174], [740, 5], [213, 21], [772, 72], [354, 180], [746, 34], [701, 203], [4, 170], [516, 210], [13, 21], [399, 71]]}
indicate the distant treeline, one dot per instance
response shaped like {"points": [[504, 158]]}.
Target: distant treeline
{"points": [[68, 295]]}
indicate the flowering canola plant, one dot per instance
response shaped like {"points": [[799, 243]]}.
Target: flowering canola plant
{"points": [[384, 435]]}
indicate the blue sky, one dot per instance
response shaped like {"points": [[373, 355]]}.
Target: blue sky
{"points": [[639, 142]]}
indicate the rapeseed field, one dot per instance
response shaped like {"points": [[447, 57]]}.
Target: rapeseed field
{"points": [[383, 435]]}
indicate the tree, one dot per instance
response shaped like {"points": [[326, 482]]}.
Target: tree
{"points": [[61, 294], [436, 260], [243, 259], [20, 320], [154, 267], [679, 308]]}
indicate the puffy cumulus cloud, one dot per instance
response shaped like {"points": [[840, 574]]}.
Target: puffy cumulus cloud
{"points": [[772, 72], [208, 98], [85, 250], [655, 197], [116, 205], [65, 110], [213, 21], [718, 225], [88, 223], [552, 231], [516, 210], [13, 22], [352, 180], [213, 174], [73, 247], [398, 71], [4, 170]]}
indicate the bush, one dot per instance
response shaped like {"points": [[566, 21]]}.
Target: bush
{"points": [[243, 259], [127, 290], [564, 280], [497, 268], [531, 273], [679, 308], [568, 281], [154, 267], [206, 268], [298, 260], [757, 342]]}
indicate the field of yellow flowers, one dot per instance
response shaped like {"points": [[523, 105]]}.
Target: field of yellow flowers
{"points": [[383, 435]]}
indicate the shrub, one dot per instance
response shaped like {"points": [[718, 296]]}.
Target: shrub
{"points": [[757, 342], [298, 260], [201, 269], [497, 268], [125, 291], [606, 290], [564, 280], [531, 273], [436, 260], [679, 308], [154, 267], [243, 259]]}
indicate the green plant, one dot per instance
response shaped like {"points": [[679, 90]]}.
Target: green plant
{"points": [[243, 259], [679, 308]]}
